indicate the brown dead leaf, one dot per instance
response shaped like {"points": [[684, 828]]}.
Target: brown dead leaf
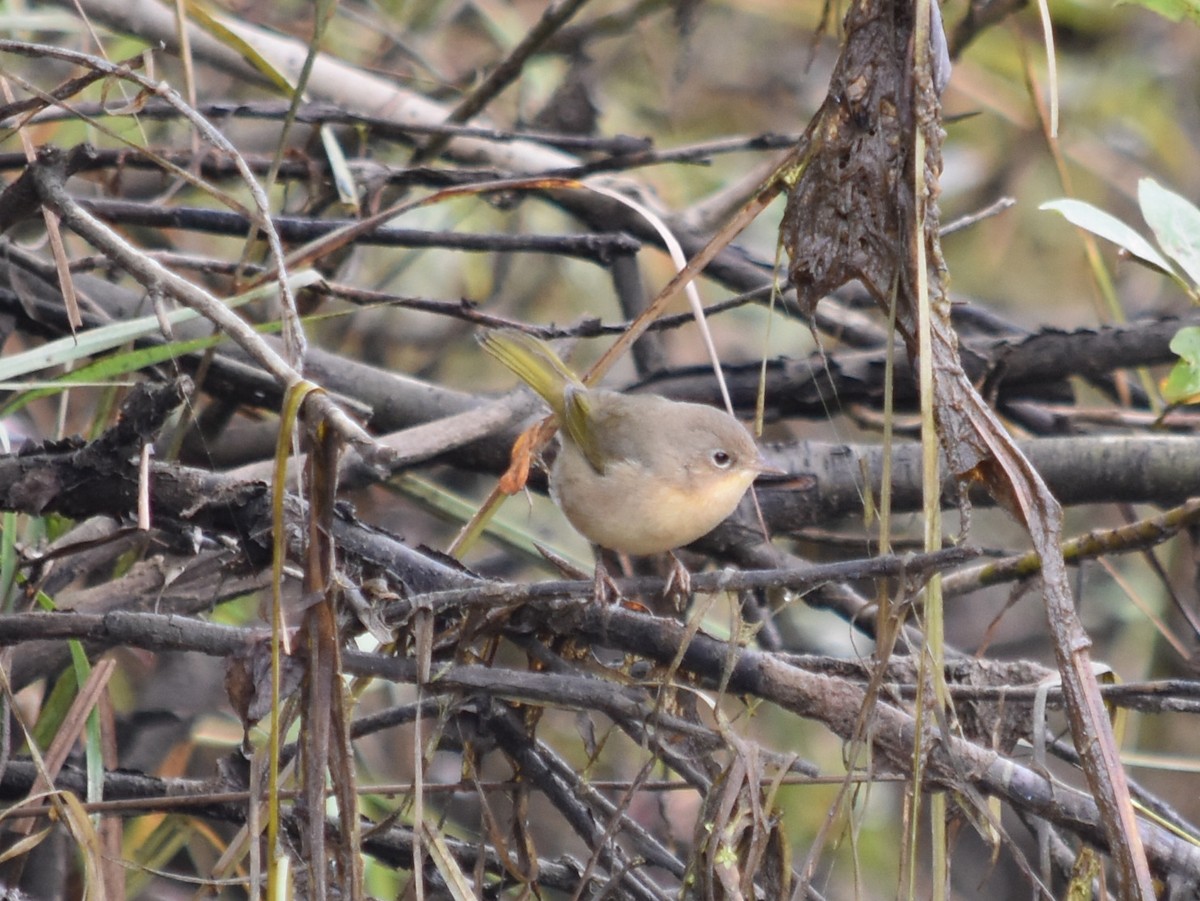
{"points": [[853, 213]]}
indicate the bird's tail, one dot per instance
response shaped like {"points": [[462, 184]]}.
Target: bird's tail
{"points": [[534, 362]]}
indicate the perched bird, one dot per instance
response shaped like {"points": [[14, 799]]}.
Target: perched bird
{"points": [[636, 473]]}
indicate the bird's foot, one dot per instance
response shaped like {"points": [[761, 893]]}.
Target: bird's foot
{"points": [[604, 589], [679, 581]]}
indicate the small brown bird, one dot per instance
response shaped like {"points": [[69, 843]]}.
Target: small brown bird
{"points": [[637, 473]]}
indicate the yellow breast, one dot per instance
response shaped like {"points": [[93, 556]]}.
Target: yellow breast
{"points": [[634, 511]]}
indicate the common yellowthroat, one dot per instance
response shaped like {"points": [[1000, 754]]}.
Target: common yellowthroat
{"points": [[636, 473]]}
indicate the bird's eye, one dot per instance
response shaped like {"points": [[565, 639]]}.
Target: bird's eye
{"points": [[721, 459]]}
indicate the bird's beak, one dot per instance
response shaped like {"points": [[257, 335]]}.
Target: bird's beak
{"points": [[772, 473]]}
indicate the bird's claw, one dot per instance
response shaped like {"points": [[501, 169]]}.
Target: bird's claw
{"points": [[679, 581], [604, 589]]}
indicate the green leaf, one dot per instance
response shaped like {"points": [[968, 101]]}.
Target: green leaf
{"points": [[1186, 343], [106, 337], [1176, 224], [1175, 10], [54, 708], [8, 558], [215, 25], [343, 178], [105, 368], [1183, 382], [1110, 228]]}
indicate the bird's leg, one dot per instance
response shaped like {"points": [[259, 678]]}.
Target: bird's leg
{"points": [[679, 581], [604, 589]]}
